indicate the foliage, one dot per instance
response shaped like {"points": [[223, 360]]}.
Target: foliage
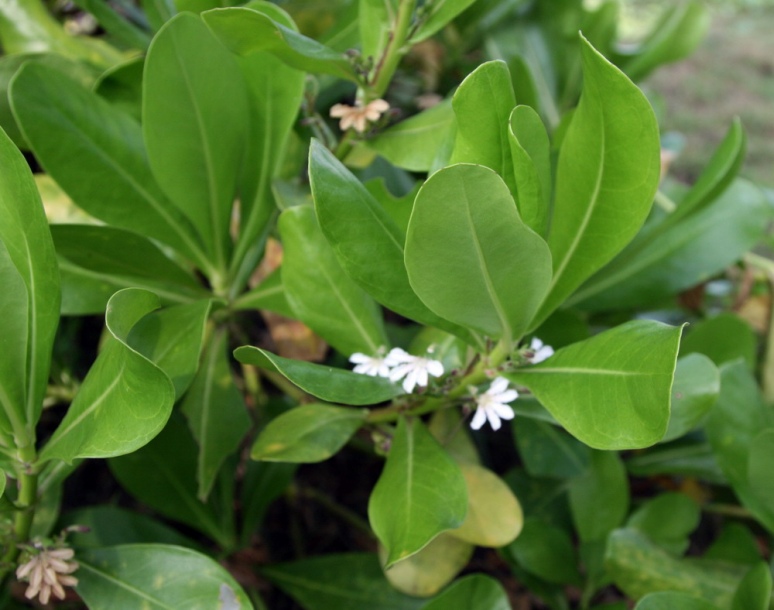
{"points": [[442, 255]]}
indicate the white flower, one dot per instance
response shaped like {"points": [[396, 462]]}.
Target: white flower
{"points": [[46, 572], [492, 404], [540, 352], [413, 370], [375, 366], [356, 116]]}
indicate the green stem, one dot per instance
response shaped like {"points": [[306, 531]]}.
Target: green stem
{"points": [[664, 202], [728, 510], [25, 503], [394, 51]]}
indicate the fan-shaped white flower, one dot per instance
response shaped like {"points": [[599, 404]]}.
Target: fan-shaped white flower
{"points": [[414, 370], [492, 404], [358, 115], [375, 366], [540, 351]]}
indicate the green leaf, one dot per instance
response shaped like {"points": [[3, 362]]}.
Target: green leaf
{"points": [[172, 338], [368, 243], [352, 581], [494, 516], [263, 483], [110, 525], [30, 295], [760, 468], [611, 391], [638, 567], [607, 176], [685, 255], [683, 458], [96, 154], [474, 592], [420, 493], [416, 143], [158, 12], [599, 499], [121, 30], [244, 30], [668, 520], [269, 294], [670, 600], [435, 566], [216, 412], [723, 338], [754, 592], [125, 399], [677, 33], [437, 15], [163, 475], [377, 21], [323, 382], [307, 434], [320, 294], [735, 421], [531, 154], [118, 258], [195, 113], [736, 544], [547, 552], [696, 388], [483, 104], [548, 451], [482, 268], [155, 577], [122, 87]]}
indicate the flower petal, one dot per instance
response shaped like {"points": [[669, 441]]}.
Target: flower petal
{"points": [[494, 421], [505, 397], [479, 418], [498, 385], [435, 368], [503, 411]]}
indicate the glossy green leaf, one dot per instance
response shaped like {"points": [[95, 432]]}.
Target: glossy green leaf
{"points": [[437, 15], [670, 600], [269, 294], [367, 241], [695, 390], [158, 12], [163, 475], [307, 434], [125, 399], [679, 31], [760, 467], [121, 258], [547, 552], [377, 20], [352, 581], [195, 109], [121, 30], [122, 87], [172, 338], [548, 451], [275, 91], [323, 382], [685, 255], [530, 151], [483, 104], [399, 208], [639, 567], [96, 154], [722, 338], [494, 516], [482, 268], [668, 520], [416, 143], [244, 30], [607, 176], [599, 499], [155, 577], [754, 592], [687, 458], [473, 592], [446, 427], [29, 300], [420, 493], [320, 294], [735, 543], [110, 525], [216, 412], [735, 421], [26, 26], [612, 391], [435, 566]]}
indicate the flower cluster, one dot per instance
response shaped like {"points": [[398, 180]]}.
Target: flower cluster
{"points": [[48, 571], [358, 115], [398, 364], [492, 405], [538, 351]]}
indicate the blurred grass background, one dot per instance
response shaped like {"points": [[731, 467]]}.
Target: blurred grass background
{"points": [[731, 74]]}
